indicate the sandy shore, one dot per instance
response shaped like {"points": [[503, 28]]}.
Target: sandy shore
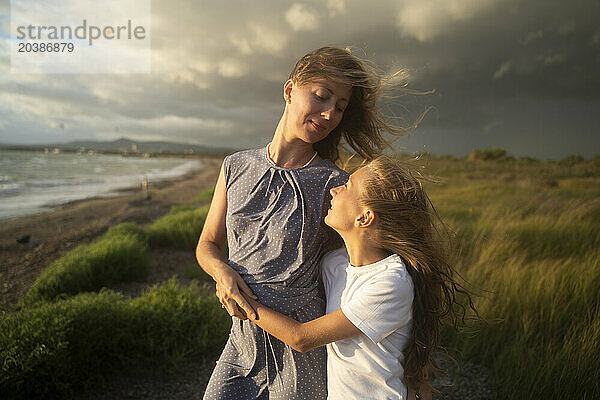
{"points": [[75, 223]]}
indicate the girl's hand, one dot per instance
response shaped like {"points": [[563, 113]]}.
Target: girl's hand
{"points": [[230, 287]]}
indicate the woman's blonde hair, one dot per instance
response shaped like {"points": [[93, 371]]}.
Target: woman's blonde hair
{"points": [[362, 124], [406, 224]]}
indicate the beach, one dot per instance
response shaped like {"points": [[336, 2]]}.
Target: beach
{"points": [[69, 225]]}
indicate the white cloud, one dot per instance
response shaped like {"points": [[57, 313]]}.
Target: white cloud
{"points": [[301, 18], [175, 123], [504, 69], [424, 20], [549, 59], [595, 40], [260, 39], [336, 7], [567, 27], [532, 36], [230, 69]]}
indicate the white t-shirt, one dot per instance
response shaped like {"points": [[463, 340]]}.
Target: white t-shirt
{"points": [[377, 298]]}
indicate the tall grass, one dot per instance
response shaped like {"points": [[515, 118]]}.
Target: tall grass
{"points": [[531, 241], [206, 196], [179, 229], [118, 255], [55, 349], [527, 234]]}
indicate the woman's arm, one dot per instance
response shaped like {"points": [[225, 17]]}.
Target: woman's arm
{"points": [[304, 336], [208, 254]]}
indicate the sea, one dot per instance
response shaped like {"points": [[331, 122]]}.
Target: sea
{"points": [[36, 181]]}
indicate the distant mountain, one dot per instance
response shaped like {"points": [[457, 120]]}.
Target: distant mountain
{"points": [[131, 146]]}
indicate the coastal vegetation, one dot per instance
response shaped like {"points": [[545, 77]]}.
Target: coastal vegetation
{"points": [[525, 235], [119, 255], [56, 348], [179, 229]]}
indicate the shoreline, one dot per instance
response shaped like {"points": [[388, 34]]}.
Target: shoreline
{"points": [[29, 201], [77, 222]]}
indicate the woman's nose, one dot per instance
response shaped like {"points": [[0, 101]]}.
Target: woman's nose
{"points": [[328, 113], [333, 191]]}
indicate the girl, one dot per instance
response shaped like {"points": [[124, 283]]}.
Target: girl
{"points": [[386, 291]]}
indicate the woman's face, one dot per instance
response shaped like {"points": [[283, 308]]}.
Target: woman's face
{"points": [[345, 210], [315, 108]]}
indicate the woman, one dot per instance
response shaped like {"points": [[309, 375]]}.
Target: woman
{"points": [[386, 291], [268, 206]]}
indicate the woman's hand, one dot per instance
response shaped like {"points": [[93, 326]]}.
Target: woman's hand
{"points": [[231, 289]]}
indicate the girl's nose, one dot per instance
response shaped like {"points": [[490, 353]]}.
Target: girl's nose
{"points": [[333, 191]]}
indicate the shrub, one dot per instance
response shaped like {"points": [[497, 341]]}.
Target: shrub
{"points": [[491, 154], [194, 271], [119, 255], [572, 159], [205, 196], [57, 348], [179, 229], [126, 229]]}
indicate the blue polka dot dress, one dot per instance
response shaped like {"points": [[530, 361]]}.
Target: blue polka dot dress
{"points": [[276, 238]]}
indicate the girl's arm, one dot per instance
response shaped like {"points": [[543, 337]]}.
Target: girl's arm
{"points": [[303, 336]]}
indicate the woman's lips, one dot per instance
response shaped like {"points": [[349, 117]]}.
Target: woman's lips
{"points": [[317, 126]]}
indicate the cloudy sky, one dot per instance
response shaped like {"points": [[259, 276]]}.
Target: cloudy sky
{"points": [[518, 74]]}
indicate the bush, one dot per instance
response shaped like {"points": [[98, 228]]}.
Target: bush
{"points": [[206, 196], [119, 255], [126, 229], [179, 229], [572, 159], [54, 349], [491, 154], [195, 272]]}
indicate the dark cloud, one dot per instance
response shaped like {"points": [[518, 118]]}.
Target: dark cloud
{"points": [[507, 73]]}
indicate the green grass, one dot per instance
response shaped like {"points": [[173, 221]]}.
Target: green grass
{"points": [[205, 197], [119, 255], [180, 229], [527, 235], [194, 272], [56, 349]]}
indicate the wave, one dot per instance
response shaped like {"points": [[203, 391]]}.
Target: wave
{"points": [[22, 195]]}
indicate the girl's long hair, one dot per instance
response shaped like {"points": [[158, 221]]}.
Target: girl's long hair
{"points": [[408, 225], [362, 125]]}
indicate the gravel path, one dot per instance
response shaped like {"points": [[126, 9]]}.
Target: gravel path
{"points": [[464, 381]]}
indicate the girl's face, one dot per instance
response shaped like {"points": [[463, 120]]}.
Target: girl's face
{"points": [[315, 108], [346, 212]]}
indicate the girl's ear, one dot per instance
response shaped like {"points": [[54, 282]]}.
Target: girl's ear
{"points": [[366, 219]]}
